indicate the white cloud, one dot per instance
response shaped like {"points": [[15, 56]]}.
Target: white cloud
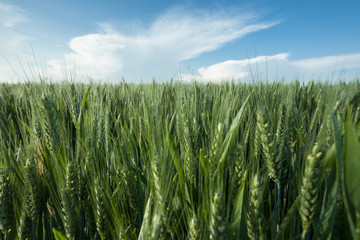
{"points": [[11, 15], [235, 69], [275, 67], [11, 41], [155, 51], [328, 63]]}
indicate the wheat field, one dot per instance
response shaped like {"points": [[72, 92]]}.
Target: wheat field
{"points": [[180, 161]]}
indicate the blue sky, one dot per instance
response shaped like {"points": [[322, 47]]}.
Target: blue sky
{"points": [[206, 41]]}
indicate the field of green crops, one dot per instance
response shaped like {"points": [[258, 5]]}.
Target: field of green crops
{"points": [[180, 161]]}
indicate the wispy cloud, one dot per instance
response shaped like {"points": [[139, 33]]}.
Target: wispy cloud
{"points": [[177, 35], [11, 39], [330, 62], [11, 15], [274, 68]]}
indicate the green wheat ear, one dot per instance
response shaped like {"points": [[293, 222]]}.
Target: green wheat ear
{"points": [[215, 147], [70, 218], [218, 224], [101, 211], [51, 127], [188, 145], [72, 182], [25, 227], [310, 188], [33, 198], [273, 164], [253, 216], [82, 186], [357, 116], [129, 181], [239, 165], [194, 228], [6, 203]]}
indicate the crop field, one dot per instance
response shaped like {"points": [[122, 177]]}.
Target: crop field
{"points": [[180, 161]]}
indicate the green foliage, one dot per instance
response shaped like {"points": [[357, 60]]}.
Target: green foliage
{"points": [[351, 161], [179, 161], [58, 235]]}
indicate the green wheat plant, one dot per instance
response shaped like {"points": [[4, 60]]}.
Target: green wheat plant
{"points": [[180, 161]]}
